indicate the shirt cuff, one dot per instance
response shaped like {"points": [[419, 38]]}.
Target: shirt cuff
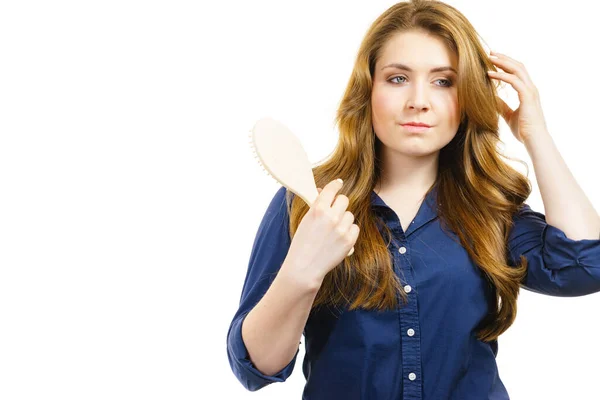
{"points": [[560, 252], [243, 368]]}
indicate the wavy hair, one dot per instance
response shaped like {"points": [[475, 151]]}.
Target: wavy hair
{"points": [[483, 190]]}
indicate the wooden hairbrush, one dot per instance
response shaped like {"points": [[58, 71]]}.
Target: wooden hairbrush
{"points": [[281, 155]]}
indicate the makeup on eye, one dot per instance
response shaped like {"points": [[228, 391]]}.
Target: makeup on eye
{"points": [[448, 84]]}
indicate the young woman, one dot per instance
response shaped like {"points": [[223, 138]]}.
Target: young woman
{"points": [[443, 239]]}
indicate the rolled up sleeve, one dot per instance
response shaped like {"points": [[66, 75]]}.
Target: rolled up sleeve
{"points": [[268, 253], [557, 265], [250, 377]]}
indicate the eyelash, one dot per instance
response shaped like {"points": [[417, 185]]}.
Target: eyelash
{"points": [[402, 76]]}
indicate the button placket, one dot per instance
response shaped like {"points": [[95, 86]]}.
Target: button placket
{"points": [[409, 322]]}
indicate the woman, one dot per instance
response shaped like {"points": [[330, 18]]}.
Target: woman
{"points": [[443, 239]]}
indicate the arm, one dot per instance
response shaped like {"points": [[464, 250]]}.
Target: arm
{"points": [[566, 205], [272, 330], [267, 294], [557, 265]]}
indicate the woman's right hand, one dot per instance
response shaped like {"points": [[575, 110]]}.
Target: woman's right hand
{"points": [[324, 236]]}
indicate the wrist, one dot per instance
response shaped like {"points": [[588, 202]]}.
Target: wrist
{"points": [[300, 278]]}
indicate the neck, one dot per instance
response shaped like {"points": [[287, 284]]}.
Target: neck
{"points": [[415, 175]]}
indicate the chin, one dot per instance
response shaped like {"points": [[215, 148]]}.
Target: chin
{"points": [[415, 151]]}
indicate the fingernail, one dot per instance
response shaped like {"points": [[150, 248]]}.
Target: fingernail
{"points": [[341, 181]]}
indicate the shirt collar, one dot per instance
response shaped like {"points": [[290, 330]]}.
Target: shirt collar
{"points": [[428, 211]]}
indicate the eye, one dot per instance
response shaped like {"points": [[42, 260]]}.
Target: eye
{"points": [[389, 80], [448, 81]]}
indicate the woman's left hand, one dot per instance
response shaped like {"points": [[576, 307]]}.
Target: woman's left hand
{"points": [[528, 119]]}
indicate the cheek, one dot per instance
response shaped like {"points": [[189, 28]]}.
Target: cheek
{"points": [[453, 110], [382, 104]]}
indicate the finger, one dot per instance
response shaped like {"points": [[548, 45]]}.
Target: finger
{"points": [[346, 221], [328, 194], [512, 66], [340, 204], [514, 80]]}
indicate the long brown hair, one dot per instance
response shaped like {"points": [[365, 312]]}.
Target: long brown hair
{"points": [[483, 190]]}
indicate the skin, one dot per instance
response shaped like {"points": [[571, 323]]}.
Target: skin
{"points": [[410, 160]]}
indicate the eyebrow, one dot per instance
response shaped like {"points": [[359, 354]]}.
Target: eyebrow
{"points": [[406, 68]]}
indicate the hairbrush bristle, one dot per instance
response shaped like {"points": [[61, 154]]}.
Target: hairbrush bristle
{"points": [[281, 155], [257, 158]]}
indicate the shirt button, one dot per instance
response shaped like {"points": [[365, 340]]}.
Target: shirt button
{"points": [[407, 288], [402, 250], [411, 332], [412, 376]]}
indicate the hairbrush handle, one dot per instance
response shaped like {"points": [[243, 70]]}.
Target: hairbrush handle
{"points": [[281, 155]]}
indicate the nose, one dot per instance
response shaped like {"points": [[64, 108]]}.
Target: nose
{"points": [[417, 98]]}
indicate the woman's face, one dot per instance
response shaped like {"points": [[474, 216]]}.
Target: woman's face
{"points": [[399, 96]]}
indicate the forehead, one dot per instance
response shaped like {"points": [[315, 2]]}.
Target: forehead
{"points": [[418, 49]]}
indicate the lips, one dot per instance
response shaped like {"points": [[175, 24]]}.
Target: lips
{"points": [[416, 124]]}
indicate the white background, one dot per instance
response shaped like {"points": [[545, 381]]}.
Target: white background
{"points": [[130, 198]]}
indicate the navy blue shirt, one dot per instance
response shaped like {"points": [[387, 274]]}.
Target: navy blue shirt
{"points": [[426, 349]]}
